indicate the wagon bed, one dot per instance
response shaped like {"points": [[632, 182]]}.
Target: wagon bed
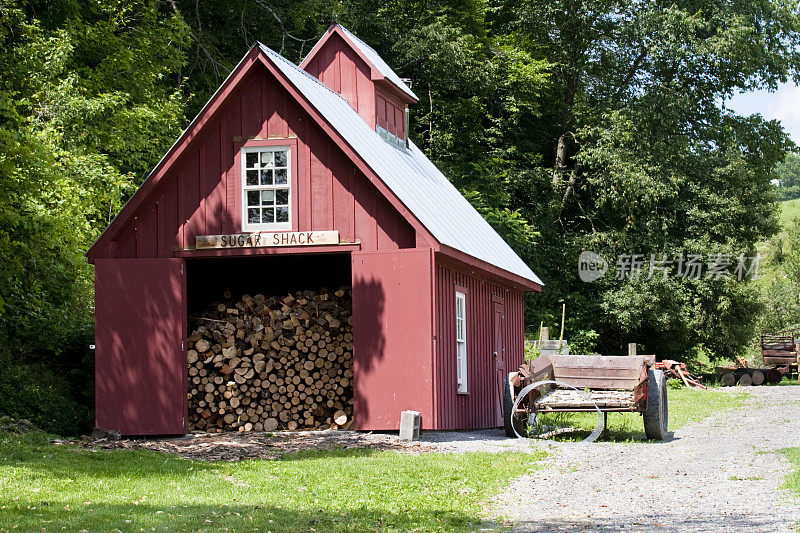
{"points": [[568, 400], [582, 383]]}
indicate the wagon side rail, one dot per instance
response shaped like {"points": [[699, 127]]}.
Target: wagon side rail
{"points": [[771, 343]]}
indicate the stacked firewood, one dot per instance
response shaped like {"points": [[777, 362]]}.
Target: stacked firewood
{"points": [[272, 362]]}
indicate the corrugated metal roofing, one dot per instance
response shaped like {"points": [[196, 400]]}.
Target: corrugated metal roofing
{"points": [[411, 176], [379, 63]]}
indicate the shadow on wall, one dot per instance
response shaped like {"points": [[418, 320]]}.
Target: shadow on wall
{"points": [[369, 342], [142, 371]]}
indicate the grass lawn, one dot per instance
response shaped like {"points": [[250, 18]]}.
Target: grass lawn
{"points": [[793, 479], [51, 487], [685, 406], [790, 209]]}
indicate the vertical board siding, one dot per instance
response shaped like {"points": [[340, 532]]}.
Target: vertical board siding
{"points": [[340, 68], [392, 333], [213, 184], [231, 129], [200, 194], [476, 408], [391, 113], [251, 102], [140, 365]]}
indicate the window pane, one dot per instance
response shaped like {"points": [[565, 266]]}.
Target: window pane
{"points": [[251, 159], [283, 196], [266, 177], [266, 159], [267, 197], [252, 198], [280, 176], [252, 177], [253, 216], [280, 159], [268, 215], [283, 214]]}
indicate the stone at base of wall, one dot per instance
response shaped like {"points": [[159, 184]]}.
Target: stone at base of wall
{"points": [[409, 425]]}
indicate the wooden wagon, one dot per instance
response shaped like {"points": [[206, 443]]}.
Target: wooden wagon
{"points": [[781, 350], [587, 383], [781, 354]]}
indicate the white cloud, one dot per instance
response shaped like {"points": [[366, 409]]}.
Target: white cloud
{"points": [[783, 105]]}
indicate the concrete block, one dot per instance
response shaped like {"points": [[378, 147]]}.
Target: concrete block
{"points": [[409, 425]]}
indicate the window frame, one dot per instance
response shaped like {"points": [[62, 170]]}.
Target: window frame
{"points": [[462, 361], [269, 146]]}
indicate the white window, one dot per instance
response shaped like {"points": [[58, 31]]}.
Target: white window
{"points": [[266, 188], [461, 341]]}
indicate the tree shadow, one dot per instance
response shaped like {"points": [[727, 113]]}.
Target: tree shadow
{"points": [[75, 489], [369, 300], [575, 427], [49, 515], [664, 522]]}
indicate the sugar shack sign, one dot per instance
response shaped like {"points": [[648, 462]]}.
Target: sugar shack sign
{"points": [[265, 240]]}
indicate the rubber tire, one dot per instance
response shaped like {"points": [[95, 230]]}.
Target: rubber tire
{"points": [[508, 406], [773, 376], [656, 415]]}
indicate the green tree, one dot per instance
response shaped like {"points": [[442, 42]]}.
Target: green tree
{"points": [[89, 100], [222, 31], [481, 97], [788, 173], [644, 160]]}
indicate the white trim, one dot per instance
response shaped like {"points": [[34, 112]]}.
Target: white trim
{"points": [[247, 226], [461, 341]]}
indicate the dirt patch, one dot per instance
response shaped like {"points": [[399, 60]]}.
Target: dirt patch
{"points": [[232, 447]]}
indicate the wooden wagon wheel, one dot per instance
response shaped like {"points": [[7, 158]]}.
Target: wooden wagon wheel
{"points": [[598, 429], [515, 424]]}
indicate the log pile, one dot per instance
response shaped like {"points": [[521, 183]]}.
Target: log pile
{"points": [[272, 362]]}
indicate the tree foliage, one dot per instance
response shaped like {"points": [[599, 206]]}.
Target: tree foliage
{"points": [[88, 101], [788, 175], [570, 125]]}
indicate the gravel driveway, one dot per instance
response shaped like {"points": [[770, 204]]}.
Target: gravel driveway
{"points": [[721, 474]]}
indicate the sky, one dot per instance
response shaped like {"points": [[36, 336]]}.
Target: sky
{"points": [[783, 105]]}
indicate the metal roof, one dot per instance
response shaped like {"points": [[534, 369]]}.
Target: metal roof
{"points": [[411, 176], [378, 61]]}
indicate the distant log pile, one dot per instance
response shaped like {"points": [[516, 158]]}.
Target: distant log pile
{"points": [[272, 362]]}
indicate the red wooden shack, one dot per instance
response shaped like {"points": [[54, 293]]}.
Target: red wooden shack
{"points": [[437, 294]]}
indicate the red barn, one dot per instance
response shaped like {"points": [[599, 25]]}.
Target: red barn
{"points": [[437, 295]]}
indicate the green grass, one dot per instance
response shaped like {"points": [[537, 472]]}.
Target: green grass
{"points": [[790, 209], [793, 479], [53, 487], [685, 406]]}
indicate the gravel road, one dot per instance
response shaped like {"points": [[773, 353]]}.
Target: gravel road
{"points": [[721, 474]]}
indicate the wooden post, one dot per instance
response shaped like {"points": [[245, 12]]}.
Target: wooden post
{"points": [[631, 348], [545, 336]]}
